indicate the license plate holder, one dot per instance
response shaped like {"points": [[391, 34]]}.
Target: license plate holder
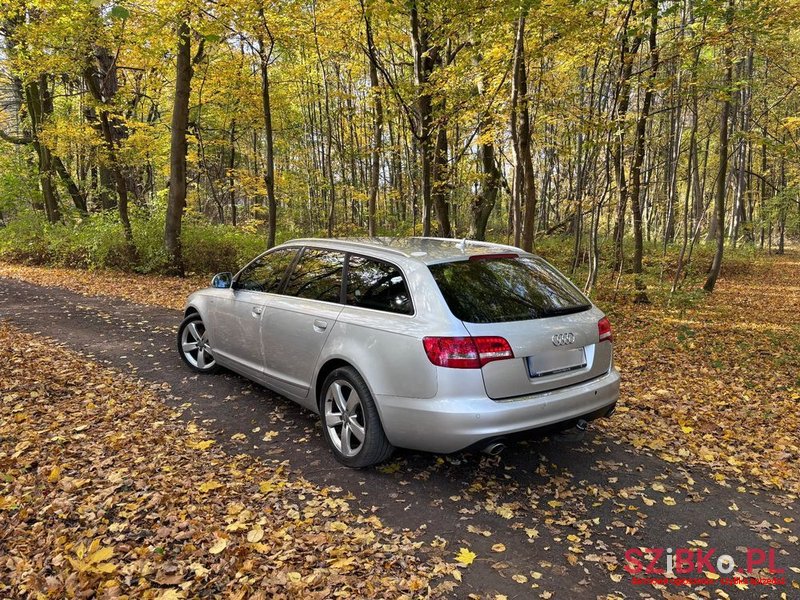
{"points": [[555, 362]]}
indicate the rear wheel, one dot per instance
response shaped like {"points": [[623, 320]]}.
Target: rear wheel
{"points": [[350, 421], [193, 345]]}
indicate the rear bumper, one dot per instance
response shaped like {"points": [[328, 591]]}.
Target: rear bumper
{"points": [[446, 424]]}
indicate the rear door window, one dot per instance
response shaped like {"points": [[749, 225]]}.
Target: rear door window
{"points": [[378, 285], [317, 276], [506, 289], [266, 273]]}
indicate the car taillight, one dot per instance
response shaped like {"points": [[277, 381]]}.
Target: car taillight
{"points": [[604, 329], [466, 352], [492, 348]]}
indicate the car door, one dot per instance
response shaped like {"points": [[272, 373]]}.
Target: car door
{"points": [[297, 323], [239, 313]]}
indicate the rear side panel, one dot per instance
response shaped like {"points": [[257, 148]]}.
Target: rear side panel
{"points": [[386, 349]]}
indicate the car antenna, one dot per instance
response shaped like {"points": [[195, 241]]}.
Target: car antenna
{"points": [[463, 245]]}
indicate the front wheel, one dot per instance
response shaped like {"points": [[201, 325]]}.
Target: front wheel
{"points": [[350, 421], [193, 345]]}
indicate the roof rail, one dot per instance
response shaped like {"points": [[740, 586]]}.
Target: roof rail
{"points": [[376, 244], [470, 242]]}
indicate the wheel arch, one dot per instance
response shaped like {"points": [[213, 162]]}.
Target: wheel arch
{"points": [[198, 305], [328, 367]]}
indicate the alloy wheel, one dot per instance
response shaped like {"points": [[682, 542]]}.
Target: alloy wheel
{"points": [[195, 346], [344, 418]]}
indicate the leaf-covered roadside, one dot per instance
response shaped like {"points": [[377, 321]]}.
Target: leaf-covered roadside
{"points": [[719, 385], [155, 290], [104, 491]]}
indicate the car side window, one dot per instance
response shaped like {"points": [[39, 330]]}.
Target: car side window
{"points": [[378, 285], [317, 276], [266, 273]]}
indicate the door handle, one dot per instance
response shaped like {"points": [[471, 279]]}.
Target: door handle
{"points": [[257, 310], [320, 325]]}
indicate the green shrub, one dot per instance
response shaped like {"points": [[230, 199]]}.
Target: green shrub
{"points": [[93, 243], [214, 248], [148, 237], [24, 239]]}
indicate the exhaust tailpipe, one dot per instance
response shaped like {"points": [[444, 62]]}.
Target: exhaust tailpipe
{"points": [[581, 425], [494, 448]]}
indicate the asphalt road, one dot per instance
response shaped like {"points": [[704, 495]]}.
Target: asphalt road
{"points": [[566, 509]]}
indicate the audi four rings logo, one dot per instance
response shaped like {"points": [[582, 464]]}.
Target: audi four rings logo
{"points": [[563, 339]]}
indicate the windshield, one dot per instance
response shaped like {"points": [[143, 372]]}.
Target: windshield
{"points": [[494, 290]]}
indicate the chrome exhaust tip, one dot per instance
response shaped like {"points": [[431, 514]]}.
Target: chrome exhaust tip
{"points": [[581, 425], [494, 448]]}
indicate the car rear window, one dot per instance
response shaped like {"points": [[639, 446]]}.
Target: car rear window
{"points": [[495, 290], [377, 285]]}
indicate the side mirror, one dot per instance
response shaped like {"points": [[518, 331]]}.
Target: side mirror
{"points": [[222, 280]]}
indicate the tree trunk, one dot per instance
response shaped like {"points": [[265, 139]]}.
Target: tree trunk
{"points": [[485, 199], [377, 129], [622, 103], [524, 161], [423, 67], [178, 148], [264, 53], [722, 174], [439, 176], [784, 207], [739, 215], [49, 193], [762, 196], [231, 167], [692, 169], [639, 144], [78, 197], [329, 134], [37, 105]]}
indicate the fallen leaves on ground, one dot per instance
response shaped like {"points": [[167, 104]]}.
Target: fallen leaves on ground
{"points": [[104, 492], [718, 385], [156, 290], [465, 557]]}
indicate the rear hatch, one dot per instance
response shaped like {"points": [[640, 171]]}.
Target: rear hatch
{"points": [[551, 326]]}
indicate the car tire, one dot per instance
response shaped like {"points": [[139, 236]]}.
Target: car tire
{"points": [[193, 345], [347, 412]]}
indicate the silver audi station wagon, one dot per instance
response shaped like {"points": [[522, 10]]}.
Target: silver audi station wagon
{"points": [[422, 343]]}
